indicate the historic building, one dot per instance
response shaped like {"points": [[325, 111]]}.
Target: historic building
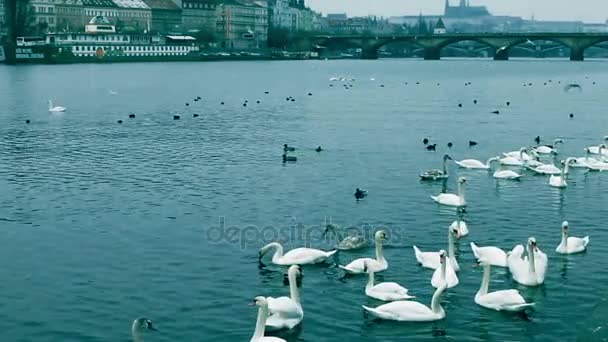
{"points": [[70, 16], [133, 15], [44, 14], [465, 10], [242, 25], [166, 16], [2, 17], [198, 15]]}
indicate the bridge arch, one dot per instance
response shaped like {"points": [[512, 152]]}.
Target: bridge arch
{"points": [[534, 45], [376, 45]]}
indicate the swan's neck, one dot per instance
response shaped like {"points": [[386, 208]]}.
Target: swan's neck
{"points": [[435, 305], [489, 162], [261, 322], [485, 281], [444, 271], [136, 333], [293, 287], [461, 191], [278, 251], [379, 252], [370, 280], [445, 166], [50, 104], [451, 242], [531, 259], [564, 240]]}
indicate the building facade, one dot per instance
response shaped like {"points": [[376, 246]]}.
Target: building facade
{"points": [[292, 15], [166, 16], [242, 25], [133, 15], [198, 15], [44, 14], [70, 16], [2, 17]]}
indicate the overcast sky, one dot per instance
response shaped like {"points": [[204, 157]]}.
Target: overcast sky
{"points": [[586, 10]]}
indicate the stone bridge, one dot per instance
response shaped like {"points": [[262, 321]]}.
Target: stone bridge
{"points": [[500, 43]]}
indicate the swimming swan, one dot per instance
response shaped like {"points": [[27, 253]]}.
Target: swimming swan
{"points": [[286, 312], [258, 334], [451, 199], [387, 292], [490, 254], [529, 270], [345, 243], [560, 181], [437, 174], [570, 244], [55, 109], [445, 274], [379, 264], [548, 149], [410, 311], [432, 259], [503, 300], [476, 164], [139, 326], [299, 256]]}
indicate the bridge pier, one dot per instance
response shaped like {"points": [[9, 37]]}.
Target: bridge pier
{"points": [[432, 54], [369, 54], [577, 54], [501, 55]]}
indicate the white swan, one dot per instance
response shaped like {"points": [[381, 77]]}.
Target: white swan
{"points": [[461, 228], [506, 174], [299, 256], [548, 149], [476, 164], [451, 199], [345, 243], [410, 311], [596, 149], [529, 270], [545, 169], [139, 326], [560, 181], [432, 259], [379, 264], [504, 300], [258, 334], [524, 154], [570, 244], [445, 274], [492, 255], [600, 165], [55, 109], [586, 161], [387, 292], [286, 312], [437, 174]]}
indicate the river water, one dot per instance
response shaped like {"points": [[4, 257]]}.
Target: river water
{"points": [[102, 222]]}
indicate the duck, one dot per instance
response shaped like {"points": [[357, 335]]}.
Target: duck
{"points": [[258, 334], [490, 254], [503, 300], [56, 109], [287, 148], [452, 199], [530, 270], [560, 181], [286, 312], [287, 158], [387, 292], [548, 149], [410, 311], [360, 194], [472, 143], [445, 274], [361, 265], [431, 147], [297, 256], [437, 174], [476, 164], [570, 244], [431, 259], [345, 243], [425, 141], [318, 149], [138, 328]]}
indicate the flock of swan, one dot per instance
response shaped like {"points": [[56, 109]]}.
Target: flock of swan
{"points": [[527, 264]]}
